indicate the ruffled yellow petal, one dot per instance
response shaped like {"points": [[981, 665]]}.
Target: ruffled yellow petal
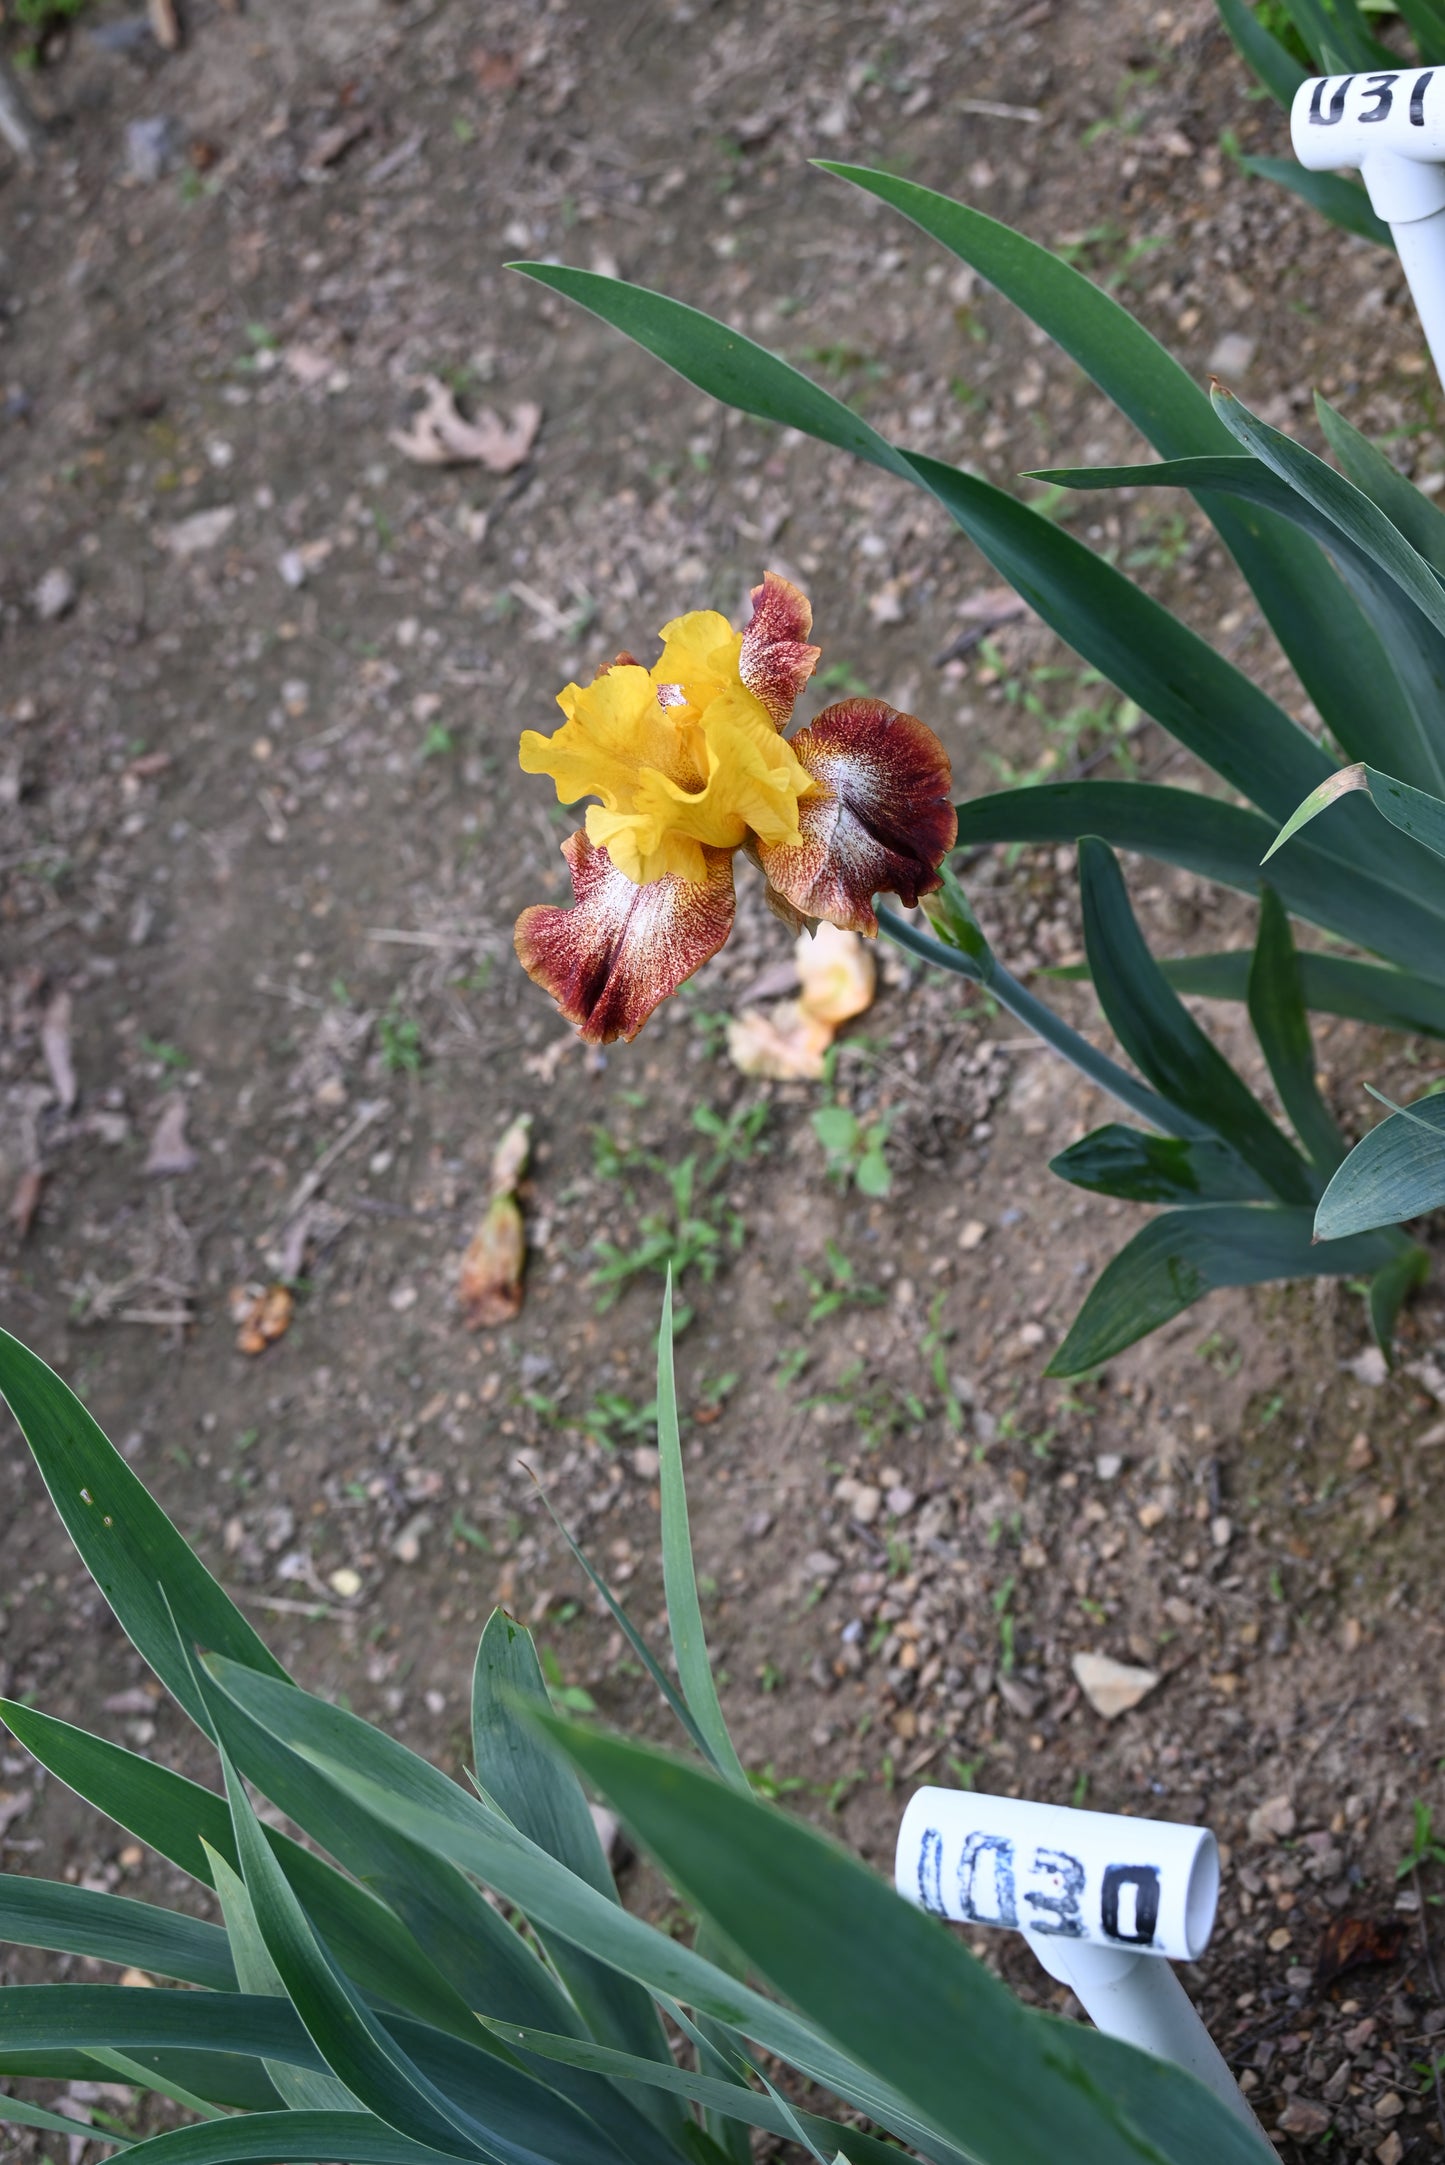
{"points": [[686, 759], [700, 654], [615, 730]]}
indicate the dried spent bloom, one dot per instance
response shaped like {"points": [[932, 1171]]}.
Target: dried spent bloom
{"points": [[689, 764]]}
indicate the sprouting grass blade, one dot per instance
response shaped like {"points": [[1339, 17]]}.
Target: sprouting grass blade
{"points": [[633, 1636], [684, 1611]]}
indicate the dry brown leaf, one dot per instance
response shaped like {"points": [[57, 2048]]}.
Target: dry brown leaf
{"points": [[495, 72], [335, 141], [837, 973], [509, 1159], [55, 1044], [308, 365], [489, 1286], [440, 436], [165, 24], [1356, 1943], [169, 1151], [188, 537], [264, 1315], [26, 1200], [783, 1043]]}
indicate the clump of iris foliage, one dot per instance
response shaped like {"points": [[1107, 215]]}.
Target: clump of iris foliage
{"points": [[448, 1972], [1284, 42], [1347, 566]]}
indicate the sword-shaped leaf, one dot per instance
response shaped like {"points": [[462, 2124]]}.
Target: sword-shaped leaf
{"points": [[1177, 1258], [1395, 1172]]}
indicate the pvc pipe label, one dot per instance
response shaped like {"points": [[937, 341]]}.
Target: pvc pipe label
{"points": [[1340, 120], [1143, 1886]]}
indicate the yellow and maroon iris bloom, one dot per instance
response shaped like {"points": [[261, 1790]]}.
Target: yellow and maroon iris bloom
{"points": [[689, 764]]}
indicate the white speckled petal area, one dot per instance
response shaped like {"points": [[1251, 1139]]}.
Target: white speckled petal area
{"points": [[880, 821], [621, 949]]}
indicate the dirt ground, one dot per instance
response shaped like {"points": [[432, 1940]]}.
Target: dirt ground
{"points": [[262, 838]]}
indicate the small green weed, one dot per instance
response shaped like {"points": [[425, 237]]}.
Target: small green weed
{"points": [[400, 1039], [841, 680], [569, 1697], [837, 1285], [697, 1229], [1083, 727], [855, 1149], [1425, 1845], [613, 1419]]}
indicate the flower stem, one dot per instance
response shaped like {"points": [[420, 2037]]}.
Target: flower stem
{"points": [[1031, 1011]]}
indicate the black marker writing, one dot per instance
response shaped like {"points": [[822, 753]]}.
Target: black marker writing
{"points": [[1057, 1911], [1379, 88], [999, 1851], [930, 1872], [1417, 97], [1144, 1880], [1336, 113]]}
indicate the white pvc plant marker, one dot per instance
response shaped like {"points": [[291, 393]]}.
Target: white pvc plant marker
{"points": [[1391, 126], [1105, 1902]]}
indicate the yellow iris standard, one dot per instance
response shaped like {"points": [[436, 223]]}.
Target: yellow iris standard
{"points": [[683, 757]]}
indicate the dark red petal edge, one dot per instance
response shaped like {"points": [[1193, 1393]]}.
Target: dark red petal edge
{"points": [[622, 949], [776, 661], [880, 822]]}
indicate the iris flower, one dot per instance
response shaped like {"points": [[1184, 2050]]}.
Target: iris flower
{"points": [[689, 764]]}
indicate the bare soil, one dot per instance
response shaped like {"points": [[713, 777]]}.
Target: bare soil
{"points": [[262, 838]]}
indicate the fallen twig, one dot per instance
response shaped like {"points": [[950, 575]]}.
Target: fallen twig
{"points": [[18, 124]]}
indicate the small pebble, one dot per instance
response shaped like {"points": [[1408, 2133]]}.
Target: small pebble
{"points": [[1232, 354], [1302, 2117], [406, 1548], [151, 147], [54, 595]]}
